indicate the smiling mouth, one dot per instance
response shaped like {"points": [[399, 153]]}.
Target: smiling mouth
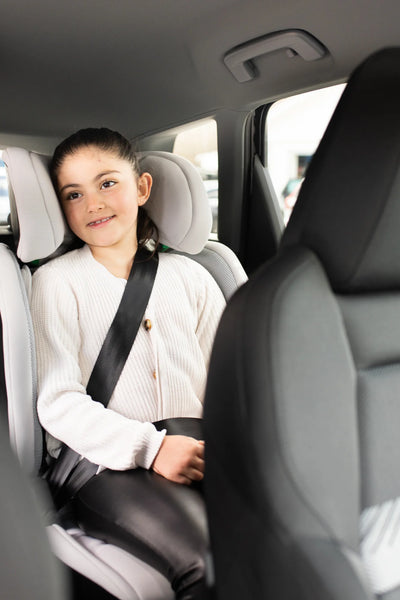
{"points": [[100, 221]]}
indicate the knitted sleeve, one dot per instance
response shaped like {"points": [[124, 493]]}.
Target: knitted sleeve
{"points": [[65, 410]]}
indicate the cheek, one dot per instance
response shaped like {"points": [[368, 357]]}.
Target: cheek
{"points": [[128, 205], [71, 215]]}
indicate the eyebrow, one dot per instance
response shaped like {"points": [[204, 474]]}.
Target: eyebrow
{"points": [[77, 185]]}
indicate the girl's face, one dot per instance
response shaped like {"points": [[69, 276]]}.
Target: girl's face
{"points": [[100, 195]]}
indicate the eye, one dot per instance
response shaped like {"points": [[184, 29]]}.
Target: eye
{"points": [[73, 196], [108, 184]]}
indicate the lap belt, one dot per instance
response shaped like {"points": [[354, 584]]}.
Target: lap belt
{"points": [[70, 471], [84, 469]]}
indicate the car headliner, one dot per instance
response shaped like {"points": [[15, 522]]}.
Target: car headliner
{"points": [[141, 67]]}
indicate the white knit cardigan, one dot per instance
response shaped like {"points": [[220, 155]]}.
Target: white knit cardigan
{"points": [[74, 299]]}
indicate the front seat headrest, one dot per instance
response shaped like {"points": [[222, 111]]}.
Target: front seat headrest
{"points": [[348, 210]]}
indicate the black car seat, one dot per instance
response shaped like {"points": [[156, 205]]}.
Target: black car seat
{"points": [[302, 409], [179, 206]]}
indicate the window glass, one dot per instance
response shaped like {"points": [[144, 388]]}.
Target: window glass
{"points": [[294, 128], [198, 143], [4, 201]]}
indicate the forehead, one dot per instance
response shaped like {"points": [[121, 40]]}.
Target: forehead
{"points": [[89, 161]]}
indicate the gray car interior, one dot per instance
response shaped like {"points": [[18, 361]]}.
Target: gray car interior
{"points": [[303, 452], [147, 69], [302, 407], [36, 207], [143, 68]]}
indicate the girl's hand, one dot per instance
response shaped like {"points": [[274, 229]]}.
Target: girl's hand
{"points": [[180, 459]]}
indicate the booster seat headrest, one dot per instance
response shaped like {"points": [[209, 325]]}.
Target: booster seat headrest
{"points": [[178, 203]]}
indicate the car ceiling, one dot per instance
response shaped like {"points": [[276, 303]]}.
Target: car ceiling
{"points": [[141, 67]]}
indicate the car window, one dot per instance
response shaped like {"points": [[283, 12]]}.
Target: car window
{"points": [[294, 127], [4, 201], [198, 143]]}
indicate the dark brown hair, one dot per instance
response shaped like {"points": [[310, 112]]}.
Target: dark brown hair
{"points": [[110, 141]]}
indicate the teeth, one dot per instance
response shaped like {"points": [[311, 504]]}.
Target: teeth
{"points": [[100, 221]]}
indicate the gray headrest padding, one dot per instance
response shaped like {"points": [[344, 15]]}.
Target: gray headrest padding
{"points": [[348, 210], [41, 223], [178, 203]]}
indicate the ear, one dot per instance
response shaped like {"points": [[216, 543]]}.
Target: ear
{"points": [[144, 183]]}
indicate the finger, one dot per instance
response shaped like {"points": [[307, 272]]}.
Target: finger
{"points": [[197, 463], [184, 480], [196, 475], [200, 449], [196, 467]]}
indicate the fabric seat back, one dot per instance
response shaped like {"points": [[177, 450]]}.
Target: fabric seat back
{"points": [[302, 405]]}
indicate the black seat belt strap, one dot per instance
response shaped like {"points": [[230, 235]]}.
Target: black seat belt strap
{"points": [[123, 329], [69, 469]]}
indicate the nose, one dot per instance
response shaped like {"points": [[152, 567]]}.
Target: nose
{"points": [[94, 202]]}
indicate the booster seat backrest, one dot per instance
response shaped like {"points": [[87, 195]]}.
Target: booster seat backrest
{"points": [[179, 207], [19, 362], [178, 203]]}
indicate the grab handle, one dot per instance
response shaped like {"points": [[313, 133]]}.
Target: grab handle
{"points": [[297, 42]]}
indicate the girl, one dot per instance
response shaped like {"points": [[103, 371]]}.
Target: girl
{"points": [[74, 299]]}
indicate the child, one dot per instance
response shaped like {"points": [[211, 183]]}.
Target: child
{"points": [[74, 299]]}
